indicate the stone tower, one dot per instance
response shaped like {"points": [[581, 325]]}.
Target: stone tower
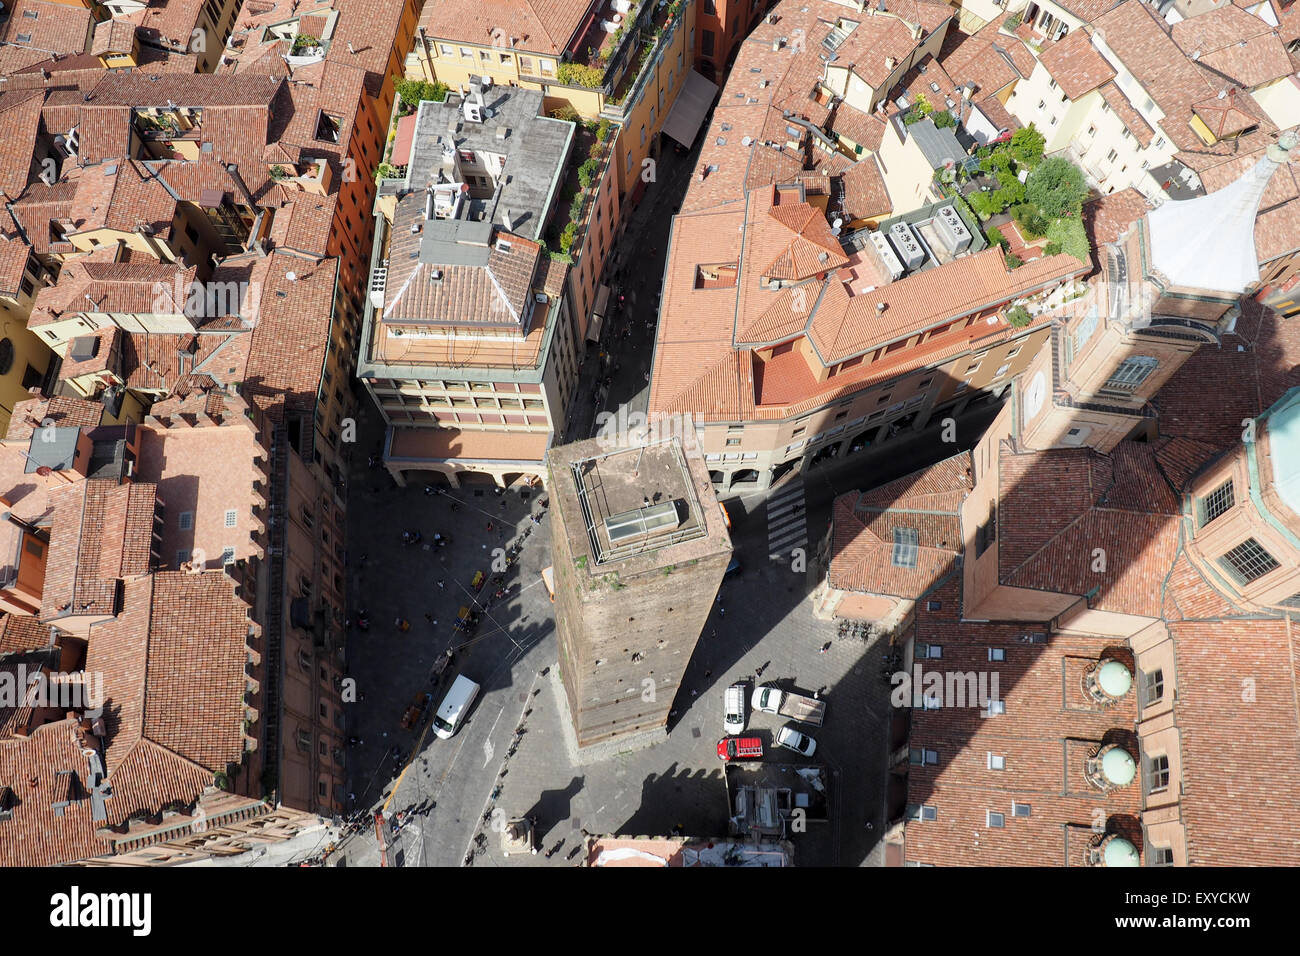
{"points": [[640, 548], [1171, 284]]}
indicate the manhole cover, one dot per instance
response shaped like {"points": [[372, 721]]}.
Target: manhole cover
{"points": [[695, 732], [522, 698], [577, 824]]}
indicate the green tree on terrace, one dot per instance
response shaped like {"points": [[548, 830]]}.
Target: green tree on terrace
{"points": [[1056, 187]]}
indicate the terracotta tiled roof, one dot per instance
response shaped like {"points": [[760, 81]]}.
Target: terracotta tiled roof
{"points": [[1136, 35], [113, 36], [447, 443], [84, 559], [33, 768], [122, 196], [927, 502], [1048, 731], [1241, 757], [173, 661], [14, 255], [1076, 65], [20, 119], [40, 205], [865, 130], [1222, 116], [1057, 507], [112, 286], [530, 26], [61, 411], [20, 633], [291, 334], [47, 27], [1130, 117], [1234, 44]]}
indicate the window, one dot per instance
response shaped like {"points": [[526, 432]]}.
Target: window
{"points": [[706, 43], [798, 431], [327, 127], [1092, 131], [1160, 856], [997, 654], [922, 812], [1041, 104], [1020, 809], [994, 819], [733, 441], [227, 556], [1248, 561], [1112, 156], [185, 520], [1153, 686], [996, 708], [922, 756], [642, 135], [1157, 774], [232, 518], [182, 557], [1131, 373], [526, 67], [905, 547], [1215, 503], [928, 652], [997, 762], [1002, 370]]}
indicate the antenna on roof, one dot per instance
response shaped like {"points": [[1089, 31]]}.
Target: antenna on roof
{"points": [[291, 276]]}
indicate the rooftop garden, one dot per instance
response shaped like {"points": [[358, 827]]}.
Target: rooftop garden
{"points": [[581, 180], [1043, 196], [921, 109], [613, 61], [411, 92]]}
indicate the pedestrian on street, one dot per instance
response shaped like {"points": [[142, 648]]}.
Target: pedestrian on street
{"points": [[722, 611], [442, 585], [708, 674], [826, 647], [428, 617], [402, 624]]}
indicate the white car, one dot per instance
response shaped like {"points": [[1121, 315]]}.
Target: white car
{"points": [[733, 712], [795, 740], [767, 699]]}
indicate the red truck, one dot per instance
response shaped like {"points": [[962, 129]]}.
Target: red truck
{"points": [[740, 748]]}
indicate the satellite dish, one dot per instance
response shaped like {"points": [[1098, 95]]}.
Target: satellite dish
{"points": [[837, 223], [45, 471]]}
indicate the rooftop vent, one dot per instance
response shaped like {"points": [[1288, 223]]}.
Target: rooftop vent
{"points": [[83, 348]]}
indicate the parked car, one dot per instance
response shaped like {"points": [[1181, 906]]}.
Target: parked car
{"points": [[733, 710], [740, 748], [795, 740]]}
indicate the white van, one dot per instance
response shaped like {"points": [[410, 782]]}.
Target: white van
{"points": [[733, 714], [453, 706]]}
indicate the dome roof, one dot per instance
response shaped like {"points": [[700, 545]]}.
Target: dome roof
{"points": [[1284, 447], [1118, 766], [1114, 679], [1120, 852]]}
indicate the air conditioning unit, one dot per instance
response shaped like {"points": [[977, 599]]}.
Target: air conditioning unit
{"points": [[952, 230], [904, 242]]}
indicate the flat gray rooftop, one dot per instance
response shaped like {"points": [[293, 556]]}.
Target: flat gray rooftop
{"points": [[536, 148]]}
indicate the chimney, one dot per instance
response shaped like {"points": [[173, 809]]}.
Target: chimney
{"points": [[890, 63], [508, 220], [351, 49]]}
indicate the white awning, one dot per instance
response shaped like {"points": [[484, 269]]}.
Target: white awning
{"points": [[693, 102]]}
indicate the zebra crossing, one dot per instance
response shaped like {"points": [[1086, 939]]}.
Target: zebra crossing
{"points": [[786, 525]]}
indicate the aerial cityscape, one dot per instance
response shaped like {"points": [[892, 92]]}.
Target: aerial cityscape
{"points": [[650, 433]]}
